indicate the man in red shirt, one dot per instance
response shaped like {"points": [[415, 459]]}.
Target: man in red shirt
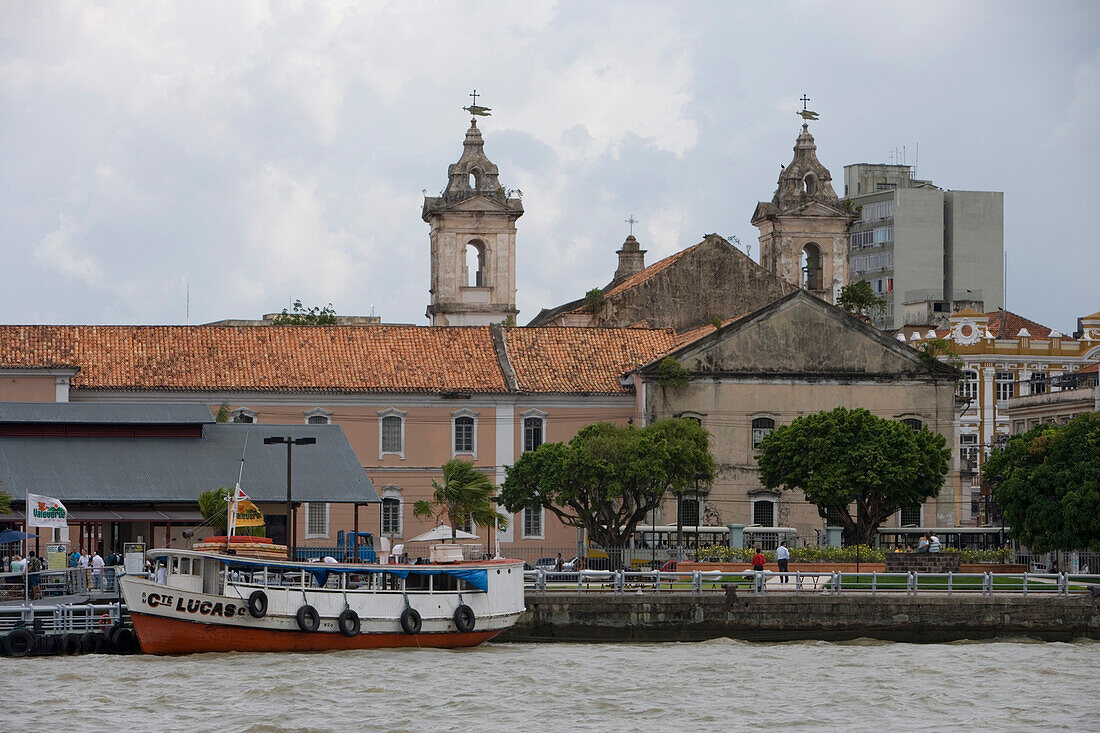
{"points": [[758, 560]]}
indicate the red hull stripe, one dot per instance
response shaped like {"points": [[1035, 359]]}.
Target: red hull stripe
{"points": [[160, 635]]}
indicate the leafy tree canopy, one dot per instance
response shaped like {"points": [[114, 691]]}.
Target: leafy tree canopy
{"points": [[1047, 483], [594, 300], [859, 298], [5, 502], [935, 351], [302, 316], [608, 478], [466, 493], [843, 456]]}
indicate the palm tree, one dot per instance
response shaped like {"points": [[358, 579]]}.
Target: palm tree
{"points": [[466, 493]]}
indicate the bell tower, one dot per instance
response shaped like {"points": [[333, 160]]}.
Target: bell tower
{"points": [[804, 228], [473, 242]]}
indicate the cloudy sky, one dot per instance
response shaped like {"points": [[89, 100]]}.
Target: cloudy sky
{"points": [[253, 153]]}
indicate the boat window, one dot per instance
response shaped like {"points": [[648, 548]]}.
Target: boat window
{"points": [[185, 566], [175, 566]]}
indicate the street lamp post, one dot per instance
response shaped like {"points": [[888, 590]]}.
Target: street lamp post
{"points": [[290, 443]]}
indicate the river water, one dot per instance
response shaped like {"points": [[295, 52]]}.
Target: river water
{"points": [[717, 685]]}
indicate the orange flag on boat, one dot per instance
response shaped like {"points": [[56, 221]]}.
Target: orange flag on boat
{"points": [[248, 514]]}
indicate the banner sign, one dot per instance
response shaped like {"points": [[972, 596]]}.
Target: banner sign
{"points": [[133, 557], [45, 511]]}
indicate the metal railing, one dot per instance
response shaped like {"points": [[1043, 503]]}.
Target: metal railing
{"points": [[63, 582], [62, 618], [698, 582]]}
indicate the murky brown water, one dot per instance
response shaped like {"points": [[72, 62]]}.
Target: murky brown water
{"points": [[718, 685]]}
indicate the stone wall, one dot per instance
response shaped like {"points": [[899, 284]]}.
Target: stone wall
{"points": [[922, 562], [598, 617]]}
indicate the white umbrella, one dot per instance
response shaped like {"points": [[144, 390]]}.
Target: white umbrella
{"points": [[440, 533]]}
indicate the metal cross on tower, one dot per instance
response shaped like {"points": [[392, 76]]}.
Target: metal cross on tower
{"points": [[631, 221], [475, 95], [805, 100]]}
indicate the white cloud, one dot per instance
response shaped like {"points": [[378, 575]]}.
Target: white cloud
{"points": [[60, 251], [1080, 117]]}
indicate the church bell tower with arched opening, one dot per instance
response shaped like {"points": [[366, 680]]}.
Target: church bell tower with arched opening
{"points": [[473, 242], [804, 228]]}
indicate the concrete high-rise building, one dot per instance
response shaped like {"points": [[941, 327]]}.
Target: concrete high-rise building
{"points": [[916, 243]]}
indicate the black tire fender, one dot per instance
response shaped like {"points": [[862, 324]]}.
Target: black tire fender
{"points": [[46, 645], [411, 621], [257, 604], [91, 642], [19, 642], [70, 644], [464, 618], [123, 638], [349, 623], [308, 618]]}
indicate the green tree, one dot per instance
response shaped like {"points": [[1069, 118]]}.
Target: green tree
{"points": [[5, 502], [608, 478], [859, 298], [302, 316], [843, 456], [939, 351], [466, 493], [594, 300], [1047, 483], [224, 415]]}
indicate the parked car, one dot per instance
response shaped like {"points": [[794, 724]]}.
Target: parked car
{"points": [[546, 564]]}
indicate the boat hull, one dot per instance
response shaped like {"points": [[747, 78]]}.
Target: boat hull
{"points": [[160, 635]]}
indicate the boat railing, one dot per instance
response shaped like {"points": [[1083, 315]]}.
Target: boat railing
{"points": [[698, 582]]}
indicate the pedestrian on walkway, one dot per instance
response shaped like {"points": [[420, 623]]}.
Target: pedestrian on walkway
{"points": [[758, 560], [783, 557], [34, 567], [97, 569]]}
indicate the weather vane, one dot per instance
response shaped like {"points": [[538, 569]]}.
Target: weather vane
{"points": [[631, 221], [806, 114], [475, 108]]}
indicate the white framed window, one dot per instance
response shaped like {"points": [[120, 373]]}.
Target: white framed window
{"points": [[464, 432], [1039, 383], [910, 516], [243, 415], [1006, 385], [316, 520], [763, 511], [392, 506], [761, 428], [318, 416], [968, 385], [533, 522], [968, 447], [391, 433], [534, 429]]}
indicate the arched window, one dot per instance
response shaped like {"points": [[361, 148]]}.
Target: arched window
{"points": [[475, 179], [533, 432], [475, 263], [318, 416], [810, 184], [913, 423], [811, 266], [761, 426], [464, 429]]}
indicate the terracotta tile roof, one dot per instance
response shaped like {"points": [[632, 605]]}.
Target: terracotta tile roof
{"points": [[640, 277], [1006, 324], [262, 358], [576, 359]]}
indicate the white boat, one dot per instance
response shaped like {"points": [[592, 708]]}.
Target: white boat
{"points": [[215, 602]]}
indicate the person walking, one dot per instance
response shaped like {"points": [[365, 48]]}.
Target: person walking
{"points": [[783, 558], [758, 560]]}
